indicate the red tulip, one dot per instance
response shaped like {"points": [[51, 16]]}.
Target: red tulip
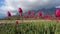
{"points": [[17, 22], [29, 12], [33, 13], [9, 14], [57, 13], [58, 18], [47, 16], [21, 13], [20, 10], [40, 13], [26, 16]]}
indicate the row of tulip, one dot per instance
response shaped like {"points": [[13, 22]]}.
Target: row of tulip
{"points": [[38, 15]]}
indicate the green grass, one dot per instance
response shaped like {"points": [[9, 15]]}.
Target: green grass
{"points": [[40, 27]]}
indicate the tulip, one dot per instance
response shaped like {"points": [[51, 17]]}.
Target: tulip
{"points": [[17, 22], [26, 16], [21, 13], [57, 13], [33, 13], [29, 12], [9, 14], [57, 18], [20, 10], [16, 26], [40, 13], [47, 16]]}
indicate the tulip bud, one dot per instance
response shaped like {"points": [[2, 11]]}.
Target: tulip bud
{"points": [[40, 13], [57, 13], [20, 10], [9, 14], [47, 16], [58, 18], [17, 22], [33, 13], [29, 12], [26, 16]]}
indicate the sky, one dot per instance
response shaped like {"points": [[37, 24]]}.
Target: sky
{"points": [[13, 5]]}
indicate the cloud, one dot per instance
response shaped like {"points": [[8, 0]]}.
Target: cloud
{"points": [[57, 6], [12, 5]]}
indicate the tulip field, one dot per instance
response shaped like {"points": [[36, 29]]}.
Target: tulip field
{"points": [[30, 27], [31, 23]]}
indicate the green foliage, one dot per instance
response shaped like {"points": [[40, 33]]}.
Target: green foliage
{"points": [[31, 28]]}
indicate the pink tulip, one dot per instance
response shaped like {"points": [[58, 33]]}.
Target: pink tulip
{"points": [[9, 14], [40, 13], [20, 10], [47, 16], [58, 18], [29, 12], [33, 13], [26, 16], [57, 13], [17, 22]]}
